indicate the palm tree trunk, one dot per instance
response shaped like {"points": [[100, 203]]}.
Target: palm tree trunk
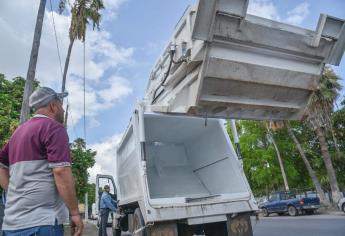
{"points": [[25, 109], [328, 164], [63, 87], [311, 172], [335, 141], [279, 159]]}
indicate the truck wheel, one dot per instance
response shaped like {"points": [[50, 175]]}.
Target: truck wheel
{"points": [[292, 211], [239, 225], [343, 207], [138, 222], [265, 212]]}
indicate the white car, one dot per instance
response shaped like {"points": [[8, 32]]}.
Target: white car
{"points": [[341, 204]]}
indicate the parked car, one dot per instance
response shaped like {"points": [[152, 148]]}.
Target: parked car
{"points": [[341, 204], [287, 202]]}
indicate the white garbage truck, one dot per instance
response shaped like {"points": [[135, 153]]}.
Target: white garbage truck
{"points": [[177, 172]]}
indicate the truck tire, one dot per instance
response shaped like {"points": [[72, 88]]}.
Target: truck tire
{"points": [[138, 222], [343, 207], [292, 211], [265, 212]]}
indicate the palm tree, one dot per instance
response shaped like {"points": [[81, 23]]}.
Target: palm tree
{"points": [[310, 170], [83, 11], [272, 140], [318, 116], [25, 110]]}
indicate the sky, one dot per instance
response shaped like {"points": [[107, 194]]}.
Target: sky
{"points": [[118, 58]]}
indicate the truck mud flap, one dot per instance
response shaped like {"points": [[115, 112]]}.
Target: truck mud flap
{"points": [[239, 225]]}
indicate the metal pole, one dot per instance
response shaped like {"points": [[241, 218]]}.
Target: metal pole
{"points": [[86, 207]]}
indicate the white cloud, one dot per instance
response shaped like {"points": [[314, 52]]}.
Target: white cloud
{"points": [[263, 8], [105, 158], [118, 87], [112, 7], [267, 9], [95, 100], [298, 14], [102, 55]]}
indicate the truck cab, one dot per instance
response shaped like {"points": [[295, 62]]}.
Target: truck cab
{"points": [[101, 181]]}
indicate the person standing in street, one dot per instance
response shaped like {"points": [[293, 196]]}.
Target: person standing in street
{"points": [[107, 205], [35, 170]]}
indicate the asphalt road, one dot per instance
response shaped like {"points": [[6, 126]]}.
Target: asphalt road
{"points": [[313, 225]]}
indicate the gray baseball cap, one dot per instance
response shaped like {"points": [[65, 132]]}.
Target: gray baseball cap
{"points": [[43, 96]]}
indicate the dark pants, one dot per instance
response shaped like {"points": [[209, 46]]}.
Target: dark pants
{"points": [[104, 213]]}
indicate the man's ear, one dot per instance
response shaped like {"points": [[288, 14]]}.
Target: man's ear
{"points": [[52, 107]]}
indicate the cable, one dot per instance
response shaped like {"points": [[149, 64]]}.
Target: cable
{"points": [[155, 96], [84, 80], [56, 39]]}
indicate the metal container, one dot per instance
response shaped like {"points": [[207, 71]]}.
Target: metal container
{"points": [[222, 62]]}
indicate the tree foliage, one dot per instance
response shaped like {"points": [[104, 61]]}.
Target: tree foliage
{"points": [[82, 159], [260, 162], [11, 97]]}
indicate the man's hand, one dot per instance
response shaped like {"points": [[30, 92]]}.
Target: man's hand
{"points": [[77, 225]]}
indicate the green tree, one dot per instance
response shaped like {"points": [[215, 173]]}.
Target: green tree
{"points": [[270, 137], [260, 162], [11, 97], [307, 164], [319, 112], [91, 188], [82, 159], [338, 120]]}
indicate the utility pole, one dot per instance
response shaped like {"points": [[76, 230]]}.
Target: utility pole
{"points": [[86, 207], [25, 110]]}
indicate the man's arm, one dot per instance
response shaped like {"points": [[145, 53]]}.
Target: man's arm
{"points": [[4, 174], [65, 184], [4, 178], [108, 203]]}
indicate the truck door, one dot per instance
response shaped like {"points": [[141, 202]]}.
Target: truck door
{"points": [[101, 181], [273, 202], [282, 205]]}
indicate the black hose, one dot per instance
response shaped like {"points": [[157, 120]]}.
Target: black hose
{"points": [[155, 96]]}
